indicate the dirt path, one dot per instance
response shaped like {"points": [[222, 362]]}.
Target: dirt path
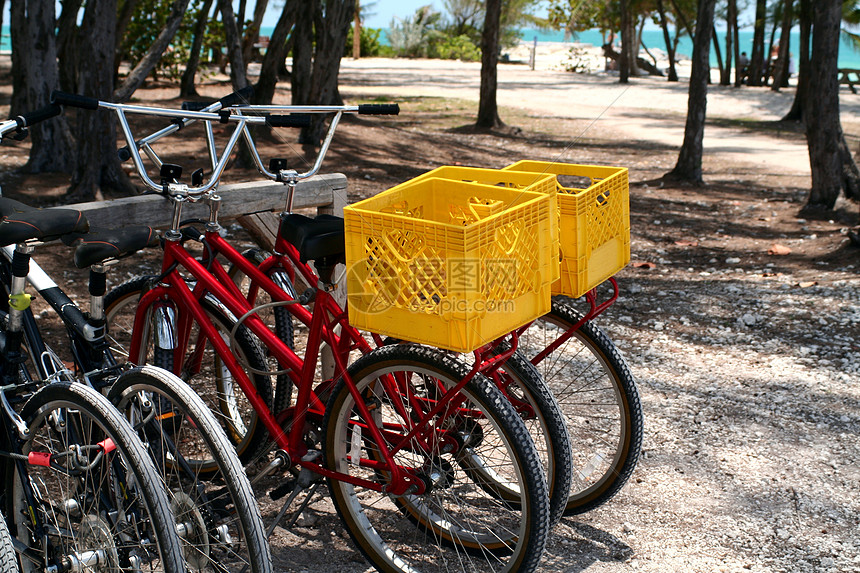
{"points": [[648, 109]]}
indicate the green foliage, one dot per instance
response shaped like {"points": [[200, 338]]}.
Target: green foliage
{"points": [[457, 48], [368, 42], [412, 36], [145, 25]]}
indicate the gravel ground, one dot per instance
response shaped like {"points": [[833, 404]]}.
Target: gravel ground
{"points": [[747, 362]]}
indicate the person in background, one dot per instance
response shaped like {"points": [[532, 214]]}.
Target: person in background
{"points": [[743, 65]]}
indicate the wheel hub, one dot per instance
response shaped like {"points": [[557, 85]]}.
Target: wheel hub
{"points": [[191, 526]]}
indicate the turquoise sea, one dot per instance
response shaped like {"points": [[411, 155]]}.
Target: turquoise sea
{"points": [[849, 57]]}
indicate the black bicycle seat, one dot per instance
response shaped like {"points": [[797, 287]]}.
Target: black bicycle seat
{"points": [[102, 244], [20, 222], [316, 238]]}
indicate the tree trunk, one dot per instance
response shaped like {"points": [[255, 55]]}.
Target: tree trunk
{"points": [[356, 33], [68, 36], [145, 66], [730, 46], [126, 11], [238, 77], [689, 166], [833, 170], [187, 87], [796, 113], [624, 60], [720, 67], [331, 31], [733, 29], [303, 51], [35, 74], [264, 91], [770, 70], [780, 79], [670, 46], [252, 34], [488, 111], [97, 165], [756, 67]]}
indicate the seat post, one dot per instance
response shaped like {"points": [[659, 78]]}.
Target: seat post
{"points": [[18, 300]]}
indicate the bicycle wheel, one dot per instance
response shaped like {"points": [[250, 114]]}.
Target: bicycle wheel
{"points": [[597, 394], [456, 523], [210, 494], [8, 560], [78, 502], [226, 399], [532, 399]]}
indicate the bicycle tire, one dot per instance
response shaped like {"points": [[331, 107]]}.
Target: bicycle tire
{"points": [[521, 383], [199, 467], [497, 536], [138, 527], [8, 559], [247, 433], [597, 394]]}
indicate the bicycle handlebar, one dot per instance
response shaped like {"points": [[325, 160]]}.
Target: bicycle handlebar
{"points": [[379, 109], [291, 120], [74, 100], [29, 118]]}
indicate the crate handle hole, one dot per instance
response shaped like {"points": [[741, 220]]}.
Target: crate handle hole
{"points": [[574, 181]]}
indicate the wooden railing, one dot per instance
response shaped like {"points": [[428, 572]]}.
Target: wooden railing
{"points": [[327, 193]]}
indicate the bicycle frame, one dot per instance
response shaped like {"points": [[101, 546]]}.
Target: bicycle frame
{"points": [[322, 321]]}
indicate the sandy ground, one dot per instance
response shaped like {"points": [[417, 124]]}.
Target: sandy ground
{"points": [[649, 109]]}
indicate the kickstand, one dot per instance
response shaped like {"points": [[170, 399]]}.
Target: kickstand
{"points": [[306, 478], [303, 505]]}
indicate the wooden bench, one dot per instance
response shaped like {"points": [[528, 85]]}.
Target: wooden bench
{"points": [[849, 77], [325, 192]]}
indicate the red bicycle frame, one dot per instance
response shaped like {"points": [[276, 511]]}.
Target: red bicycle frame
{"points": [[322, 321]]}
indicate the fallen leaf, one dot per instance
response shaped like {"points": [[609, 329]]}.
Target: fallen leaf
{"points": [[777, 249], [807, 284], [687, 243], [644, 265]]}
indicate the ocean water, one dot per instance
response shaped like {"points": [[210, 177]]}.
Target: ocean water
{"points": [[849, 57]]}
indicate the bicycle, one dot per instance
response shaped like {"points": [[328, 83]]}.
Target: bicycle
{"points": [[79, 489], [209, 494], [407, 434], [587, 375]]}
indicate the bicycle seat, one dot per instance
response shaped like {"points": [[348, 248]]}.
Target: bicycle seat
{"points": [[316, 238], [20, 222], [100, 245]]}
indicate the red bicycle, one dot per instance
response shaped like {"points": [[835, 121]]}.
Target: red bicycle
{"points": [[427, 464], [588, 378]]}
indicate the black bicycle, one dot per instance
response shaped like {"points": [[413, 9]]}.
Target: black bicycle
{"points": [[214, 510]]}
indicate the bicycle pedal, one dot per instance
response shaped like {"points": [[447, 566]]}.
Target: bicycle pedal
{"points": [[282, 490]]}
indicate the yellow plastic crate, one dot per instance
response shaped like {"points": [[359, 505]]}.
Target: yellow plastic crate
{"points": [[529, 181], [448, 263], [594, 222]]}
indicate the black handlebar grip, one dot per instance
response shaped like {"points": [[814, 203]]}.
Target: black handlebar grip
{"points": [[34, 117], [124, 153], [74, 100], [196, 105], [291, 120], [379, 109], [240, 96]]}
